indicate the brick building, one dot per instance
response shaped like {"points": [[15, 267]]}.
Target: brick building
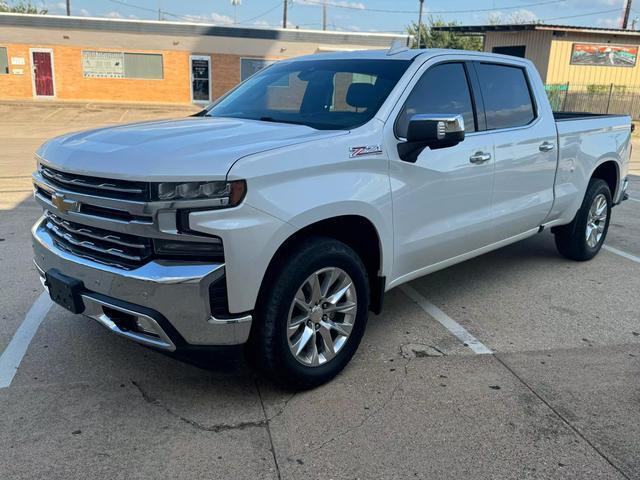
{"points": [[96, 59]]}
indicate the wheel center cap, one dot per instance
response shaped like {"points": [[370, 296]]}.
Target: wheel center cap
{"points": [[316, 314]]}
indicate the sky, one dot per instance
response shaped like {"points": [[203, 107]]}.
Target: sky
{"points": [[357, 15]]}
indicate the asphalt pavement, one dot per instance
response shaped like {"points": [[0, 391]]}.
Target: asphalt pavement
{"points": [[516, 364]]}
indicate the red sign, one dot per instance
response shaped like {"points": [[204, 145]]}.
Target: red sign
{"points": [[604, 55]]}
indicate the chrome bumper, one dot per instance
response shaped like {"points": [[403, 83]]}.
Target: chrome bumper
{"points": [[171, 297]]}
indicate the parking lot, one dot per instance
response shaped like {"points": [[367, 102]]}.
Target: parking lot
{"points": [[517, 364]]}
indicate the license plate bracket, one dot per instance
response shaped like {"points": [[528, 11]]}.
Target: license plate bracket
{"points": [[65, 291]]}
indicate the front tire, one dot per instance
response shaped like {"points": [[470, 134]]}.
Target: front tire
{"points": [[312, 314], [582, 239]]}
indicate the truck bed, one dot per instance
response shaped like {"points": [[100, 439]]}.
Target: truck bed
{"points": [[565, 116]]}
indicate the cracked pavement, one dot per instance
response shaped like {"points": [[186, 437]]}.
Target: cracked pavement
{"points": [[557, 400]]}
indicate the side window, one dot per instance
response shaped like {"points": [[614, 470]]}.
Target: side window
{"points": [[506, 95], [4, 61], [441, 89]]}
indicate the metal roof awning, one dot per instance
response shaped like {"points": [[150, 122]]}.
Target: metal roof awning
{"points": [[519, 27]]}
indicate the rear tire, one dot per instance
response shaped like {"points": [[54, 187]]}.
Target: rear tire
{"points": [[582, 239], [311, 314]]}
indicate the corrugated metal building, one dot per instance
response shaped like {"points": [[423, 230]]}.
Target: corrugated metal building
{"points": [[584, 69], [578, 55], [96, 59]]}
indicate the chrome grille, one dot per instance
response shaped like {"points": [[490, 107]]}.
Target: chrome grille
{"points": [[124, 189], [110, 248]]}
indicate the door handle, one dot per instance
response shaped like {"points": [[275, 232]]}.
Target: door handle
{"points": [[480, 157], [546, 146]]}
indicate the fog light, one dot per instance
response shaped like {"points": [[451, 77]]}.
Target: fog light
{"points": [[146, 326]]}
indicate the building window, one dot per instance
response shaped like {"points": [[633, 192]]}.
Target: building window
{"points": [[514, 51], [122, 65], [249, 66], [143, 65], [4, 61]]}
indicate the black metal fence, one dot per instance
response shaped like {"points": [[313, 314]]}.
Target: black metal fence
{"points": [[593, 98]]}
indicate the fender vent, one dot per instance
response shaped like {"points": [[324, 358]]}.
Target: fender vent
{"points": [[218, 298]]}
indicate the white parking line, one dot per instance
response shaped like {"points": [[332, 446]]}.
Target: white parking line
{"points": [[446, 321], [634, 199], [13, 354], [626, 255]]}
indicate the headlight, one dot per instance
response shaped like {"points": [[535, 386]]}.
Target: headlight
{"points": [[228, 194]]}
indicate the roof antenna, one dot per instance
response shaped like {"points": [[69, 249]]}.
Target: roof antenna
{"points": [[396, 47]]}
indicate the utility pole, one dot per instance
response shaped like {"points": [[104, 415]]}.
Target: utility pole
{"points": [[324, 15], [420, 23], [68, 8], [284, 14], [235, 4], [625, 16]]}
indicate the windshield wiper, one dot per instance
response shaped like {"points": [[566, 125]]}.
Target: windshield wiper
{"points": [[273, 120]]}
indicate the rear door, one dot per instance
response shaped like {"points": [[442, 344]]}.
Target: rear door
{"points": [[524, 136], [442, 202]]}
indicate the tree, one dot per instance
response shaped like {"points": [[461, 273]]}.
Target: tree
{"points": [[436, 39], [518, 18], [21, 6]]}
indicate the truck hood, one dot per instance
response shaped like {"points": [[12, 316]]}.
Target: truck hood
{"points": [[193, 148]]}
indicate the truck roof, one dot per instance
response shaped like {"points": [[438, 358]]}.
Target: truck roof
{"points": [[389, 54]]}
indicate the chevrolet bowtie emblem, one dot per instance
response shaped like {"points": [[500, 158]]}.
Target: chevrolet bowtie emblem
{"points": [[63, 205]]}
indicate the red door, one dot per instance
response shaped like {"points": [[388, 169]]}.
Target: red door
{"points": [[43, 72]]}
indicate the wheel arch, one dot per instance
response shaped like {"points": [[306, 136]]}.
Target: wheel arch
{"points": [[356, 231], [609, 171]]}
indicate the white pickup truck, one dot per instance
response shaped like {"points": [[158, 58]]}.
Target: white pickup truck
{"points": [[279, 216]]}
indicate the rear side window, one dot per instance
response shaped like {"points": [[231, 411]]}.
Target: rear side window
{"points": [[442, 89], [506, 95]]}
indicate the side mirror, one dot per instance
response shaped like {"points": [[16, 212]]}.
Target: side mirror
{"points": [[433, 131]]}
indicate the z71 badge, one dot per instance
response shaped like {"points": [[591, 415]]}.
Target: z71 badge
{"points": [[365, 150]]}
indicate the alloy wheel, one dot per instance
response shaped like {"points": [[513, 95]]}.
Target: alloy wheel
{"points": [[321, 316], [596, 220]]}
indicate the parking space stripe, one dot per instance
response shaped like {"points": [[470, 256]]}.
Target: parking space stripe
{"points": [[446, 321], [634, 199], [13, 354], [626, 255]]}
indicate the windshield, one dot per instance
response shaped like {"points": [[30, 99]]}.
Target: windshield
{"points": [[322, 94]]}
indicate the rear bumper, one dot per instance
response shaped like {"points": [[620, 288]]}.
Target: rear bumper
{"points": [[171, 298]]}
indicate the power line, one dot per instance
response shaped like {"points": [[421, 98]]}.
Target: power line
{"points": [[580, 15], [277, 5], [189, 17], [414, 12]]}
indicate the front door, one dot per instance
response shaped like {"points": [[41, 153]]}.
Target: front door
{"points": [[42, 61], [200, 78], [442, 202]]}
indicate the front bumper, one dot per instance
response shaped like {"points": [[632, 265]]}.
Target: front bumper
{"points": [[172, 295]]}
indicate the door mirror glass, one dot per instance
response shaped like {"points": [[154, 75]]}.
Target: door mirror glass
{"points": [[433, 131]]}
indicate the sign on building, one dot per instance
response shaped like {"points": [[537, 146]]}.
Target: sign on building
{"points": [[249, 66], [102, 64], [604, 55]]}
